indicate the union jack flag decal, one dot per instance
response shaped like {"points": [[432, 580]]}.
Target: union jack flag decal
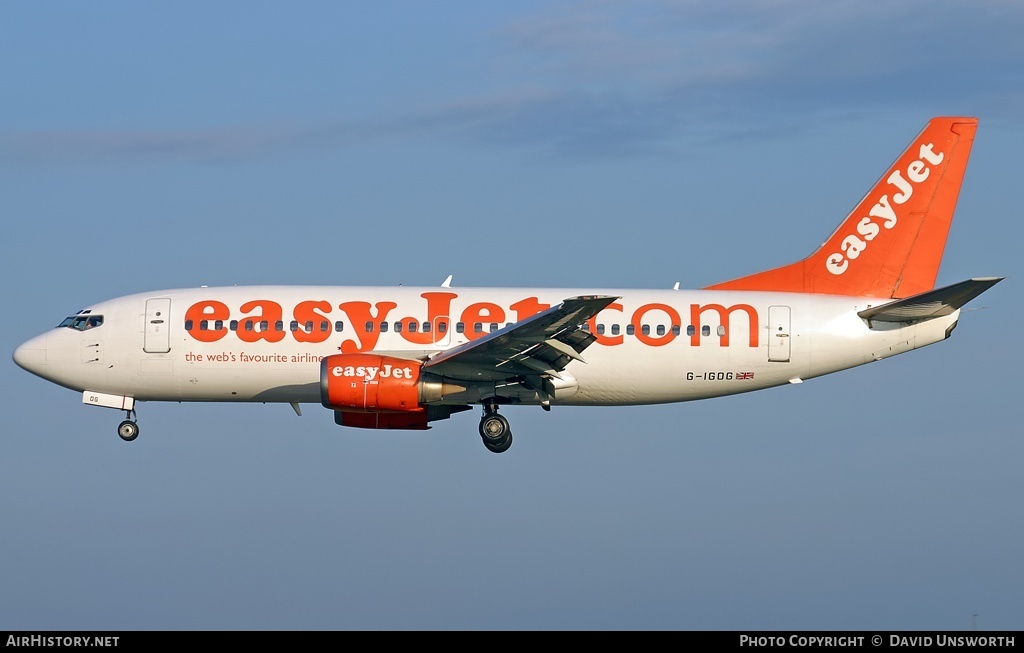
{"points": [[741, 376]]}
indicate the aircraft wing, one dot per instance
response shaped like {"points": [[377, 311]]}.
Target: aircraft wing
{"points": [[931, 304], [541, 345]]}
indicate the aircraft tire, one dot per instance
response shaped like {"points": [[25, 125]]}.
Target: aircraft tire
{"points": [[128, 430], [499, 447], [493, 428]]}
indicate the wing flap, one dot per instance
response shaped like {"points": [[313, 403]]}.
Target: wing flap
{"points": [[541, 345]]}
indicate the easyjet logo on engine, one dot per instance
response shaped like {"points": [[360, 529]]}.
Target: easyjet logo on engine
{"points": [[369, 373], [904, 182]]}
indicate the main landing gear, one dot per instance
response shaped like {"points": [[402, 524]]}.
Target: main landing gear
{"points": [[128, 429], [494, 429]]}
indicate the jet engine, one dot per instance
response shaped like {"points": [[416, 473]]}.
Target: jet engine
{"points": [[382, 392]]}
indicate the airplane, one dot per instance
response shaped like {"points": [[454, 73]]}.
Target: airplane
{"points": [[403, 357]]}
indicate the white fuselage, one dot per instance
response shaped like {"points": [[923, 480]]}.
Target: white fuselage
{"points": [[254, 343]]}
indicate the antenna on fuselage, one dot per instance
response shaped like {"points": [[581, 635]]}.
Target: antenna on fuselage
{"points": [[447, 282]]}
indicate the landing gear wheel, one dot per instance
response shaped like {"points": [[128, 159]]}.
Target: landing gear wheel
{"points": [[493, 427], [501, 447], [128, 430], [494, 430]]}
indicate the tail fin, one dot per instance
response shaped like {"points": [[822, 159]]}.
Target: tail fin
{"points": [[891, 244]]}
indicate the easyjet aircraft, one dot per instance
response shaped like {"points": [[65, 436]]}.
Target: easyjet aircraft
{"points": [[400, 358]]}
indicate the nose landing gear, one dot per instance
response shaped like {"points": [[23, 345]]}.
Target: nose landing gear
{"points": [[494, 429], [128, 430]]}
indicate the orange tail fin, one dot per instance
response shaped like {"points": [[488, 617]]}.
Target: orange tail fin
{"points": [[891, 244]]}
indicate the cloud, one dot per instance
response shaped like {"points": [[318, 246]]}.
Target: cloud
{"points": [[115, 146], [652, 76], [649, 78]]}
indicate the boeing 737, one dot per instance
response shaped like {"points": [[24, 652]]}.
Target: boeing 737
{"points": [[403, 357]]}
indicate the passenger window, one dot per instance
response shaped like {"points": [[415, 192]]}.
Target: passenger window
{"points": [[661, 329], [369, 327], [279, 325], [721, 329], [615, 329], [675, 329], [233, 325], [600, 329], [630, 330], [383, 327], [203, 325], [690, 330], [645, 329], [325, 326], [412, 327], [478, 327], [188, 324], [339, 325], [218, 325], [294, 326], [494, 327], [398, 327], [248, 325], [459, 327], [705, 330], [426, 327]]}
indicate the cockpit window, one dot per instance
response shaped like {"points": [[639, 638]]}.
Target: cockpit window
{"points": [[82, 322]]}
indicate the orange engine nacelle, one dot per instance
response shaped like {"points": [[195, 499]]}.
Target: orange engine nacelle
{"points": [[370, 383], [401, 421]]}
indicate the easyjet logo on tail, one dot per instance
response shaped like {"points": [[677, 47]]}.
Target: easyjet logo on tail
{"points": [[883, 214]]}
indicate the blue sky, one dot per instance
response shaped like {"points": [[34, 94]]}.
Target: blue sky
{"points": [[599, 144]]}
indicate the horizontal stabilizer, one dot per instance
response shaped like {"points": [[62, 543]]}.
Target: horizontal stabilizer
{"points": [[931, 304]]}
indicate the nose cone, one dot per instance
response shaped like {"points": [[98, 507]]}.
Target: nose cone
{"points": [[31, 356]]}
